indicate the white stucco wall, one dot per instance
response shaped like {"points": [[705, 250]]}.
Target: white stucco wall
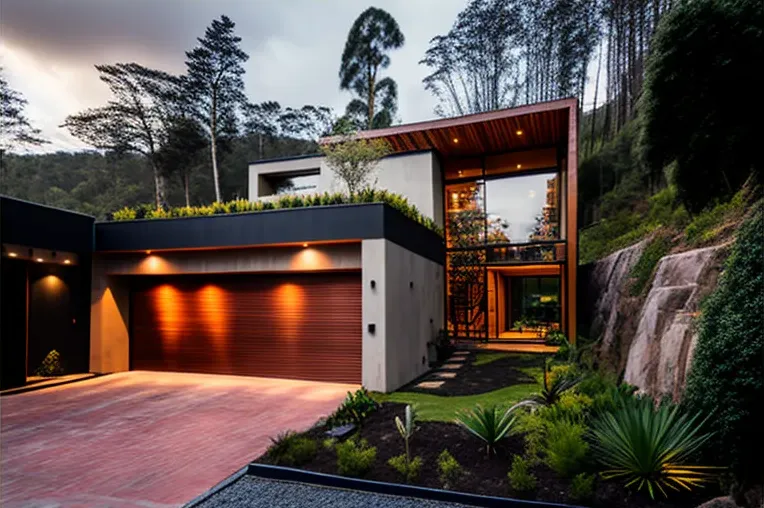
{"points": [[406, 307], [416, 176]]}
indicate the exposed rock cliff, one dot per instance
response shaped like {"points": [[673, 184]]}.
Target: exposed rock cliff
{"points": [[650, 338]]}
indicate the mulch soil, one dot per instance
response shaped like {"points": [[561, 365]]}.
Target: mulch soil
{"points": [[473, 380], [482, 475]]}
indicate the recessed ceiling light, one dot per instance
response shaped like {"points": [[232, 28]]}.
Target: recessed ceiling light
{"points": [[39, 260], [148, 252], [12, 254], [456, 140], [460, 173], [305, 245], [519, 166], [67, 262], [519, 132]]}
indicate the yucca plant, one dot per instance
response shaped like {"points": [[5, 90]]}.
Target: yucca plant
{"points": [[649, 447], [490, 424], [553, 387]]}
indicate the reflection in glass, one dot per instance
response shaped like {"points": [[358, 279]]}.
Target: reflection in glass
{"points": [[465, 216], [295, 185], [466, 300], [535, 301], [523, 209]]}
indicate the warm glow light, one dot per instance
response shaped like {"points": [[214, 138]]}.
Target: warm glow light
{"points": [[171, 316], [456, 140], [288, 305], [460, 173], [305, 245], [12, 254], [148, 252], [519, 133], [67, 262], [211, 304], [39, 260], [454, 196], [519, 166]]}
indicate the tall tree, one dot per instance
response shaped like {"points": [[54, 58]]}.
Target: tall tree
{"points": [[373, 34], [135, 120], [215, 69], [15, 129]]}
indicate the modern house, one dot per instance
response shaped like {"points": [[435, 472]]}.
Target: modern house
{"points": [[345, 293]]}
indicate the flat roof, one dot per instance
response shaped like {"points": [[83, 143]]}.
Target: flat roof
{"points": [[285, 158]]}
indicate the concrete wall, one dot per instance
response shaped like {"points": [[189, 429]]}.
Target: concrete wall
{"points": [[110, 295], [416, 176], [406, 307]]}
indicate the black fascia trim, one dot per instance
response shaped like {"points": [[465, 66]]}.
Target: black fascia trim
{"points": [[393, 489], [45, 227]]}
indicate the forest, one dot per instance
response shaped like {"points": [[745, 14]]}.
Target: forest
{"points": [[176, 140]]}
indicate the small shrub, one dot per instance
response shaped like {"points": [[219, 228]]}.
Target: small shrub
{"points": [[489, 424], [355, 458], [449, 469], [582, 487], [555, 338], [51, 365], [406, 430], [520, 478], [329, 443], [553, 387], [292, 449], [124, 214], [564, 447], [354, 409], [408, 469]]}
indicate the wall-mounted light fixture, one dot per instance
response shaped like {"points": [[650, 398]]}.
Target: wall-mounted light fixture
{"points": [[12, 254], [411, 284], [372, 328], [373, 284]]}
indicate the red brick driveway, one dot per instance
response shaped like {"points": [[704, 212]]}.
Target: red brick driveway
{"points": [[143, 438]]}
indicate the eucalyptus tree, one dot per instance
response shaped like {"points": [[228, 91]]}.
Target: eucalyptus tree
{"points": [[136, 119], [215, 68], [15, 128], [373, 34]]}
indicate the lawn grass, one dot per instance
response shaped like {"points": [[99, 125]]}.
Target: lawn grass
{"points": [[443, 409], [485, 358]]}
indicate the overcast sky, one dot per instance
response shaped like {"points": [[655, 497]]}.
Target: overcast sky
{"points": [[48, 49]]}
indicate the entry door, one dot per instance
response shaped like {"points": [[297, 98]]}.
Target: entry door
{"points": [[301, 326]]}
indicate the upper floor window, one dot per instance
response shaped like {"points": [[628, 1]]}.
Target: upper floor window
{"points": [[287, 184]]}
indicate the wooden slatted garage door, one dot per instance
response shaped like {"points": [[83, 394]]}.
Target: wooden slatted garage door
{"points": [[301, 326]]}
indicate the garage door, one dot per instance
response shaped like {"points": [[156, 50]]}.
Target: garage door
{"points": [[301, 326]]}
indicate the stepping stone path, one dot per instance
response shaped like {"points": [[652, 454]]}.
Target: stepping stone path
{"points": [[430, 385], [445, 375], [451, 366]]}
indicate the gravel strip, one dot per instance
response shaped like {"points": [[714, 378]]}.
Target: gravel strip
{"points": [[260, 493]]}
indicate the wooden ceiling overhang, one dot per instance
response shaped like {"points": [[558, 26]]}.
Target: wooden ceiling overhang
{"points": [[544, 124]]}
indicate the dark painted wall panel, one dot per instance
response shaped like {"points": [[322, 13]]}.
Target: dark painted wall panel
{"points": [[40, 226], [12, 322]]}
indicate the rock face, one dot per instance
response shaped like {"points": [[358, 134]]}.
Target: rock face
{"points": [[650, 339]]}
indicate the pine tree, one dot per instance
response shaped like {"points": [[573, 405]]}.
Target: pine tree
{"points": [[15, 129], [215, 69], [373, 34]]}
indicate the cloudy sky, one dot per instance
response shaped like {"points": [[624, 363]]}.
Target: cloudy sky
{"points": [[48, 49]]}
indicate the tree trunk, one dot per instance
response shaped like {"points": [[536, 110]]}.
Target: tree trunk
{"points": [[370, 99], [185, 188], [594, 109], [213, 147], [160, 187]]}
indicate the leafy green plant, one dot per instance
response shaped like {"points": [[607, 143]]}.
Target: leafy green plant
{"points": [[406, 430], [555, 338], [649, 448], [727, 372], [51, 365], [564, 447], [449, 469], [291, 449], [354, 409], [406, 467], [582, 487], [645, 266], [329, 443], [355, 457], [553, 387], [490, 424], [520, 477]]}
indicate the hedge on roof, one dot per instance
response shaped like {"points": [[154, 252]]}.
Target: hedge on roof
{"points": [[396, 201]]}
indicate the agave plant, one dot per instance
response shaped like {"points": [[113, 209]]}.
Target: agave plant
{"points": [[649, 447], [406, 429], [489, 424], [553, 387]]}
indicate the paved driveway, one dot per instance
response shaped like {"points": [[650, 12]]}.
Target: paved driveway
{"points": [[143, 438]]}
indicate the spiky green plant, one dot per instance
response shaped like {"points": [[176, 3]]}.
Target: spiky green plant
{"points": [[490, 424], [406, 429], [649, 448], [553, 387]]}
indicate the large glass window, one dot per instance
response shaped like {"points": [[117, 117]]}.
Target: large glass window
{"points": [[534, 301], [287, 184], [523, 209], [465, 214]]}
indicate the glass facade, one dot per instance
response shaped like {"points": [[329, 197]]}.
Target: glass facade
{"points": [[505, 217]]}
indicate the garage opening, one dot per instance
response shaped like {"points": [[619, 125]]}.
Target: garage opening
{"points": [[299, 326]]}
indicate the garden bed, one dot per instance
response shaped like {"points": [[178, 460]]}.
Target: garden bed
{"points": [[482, 475]]}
